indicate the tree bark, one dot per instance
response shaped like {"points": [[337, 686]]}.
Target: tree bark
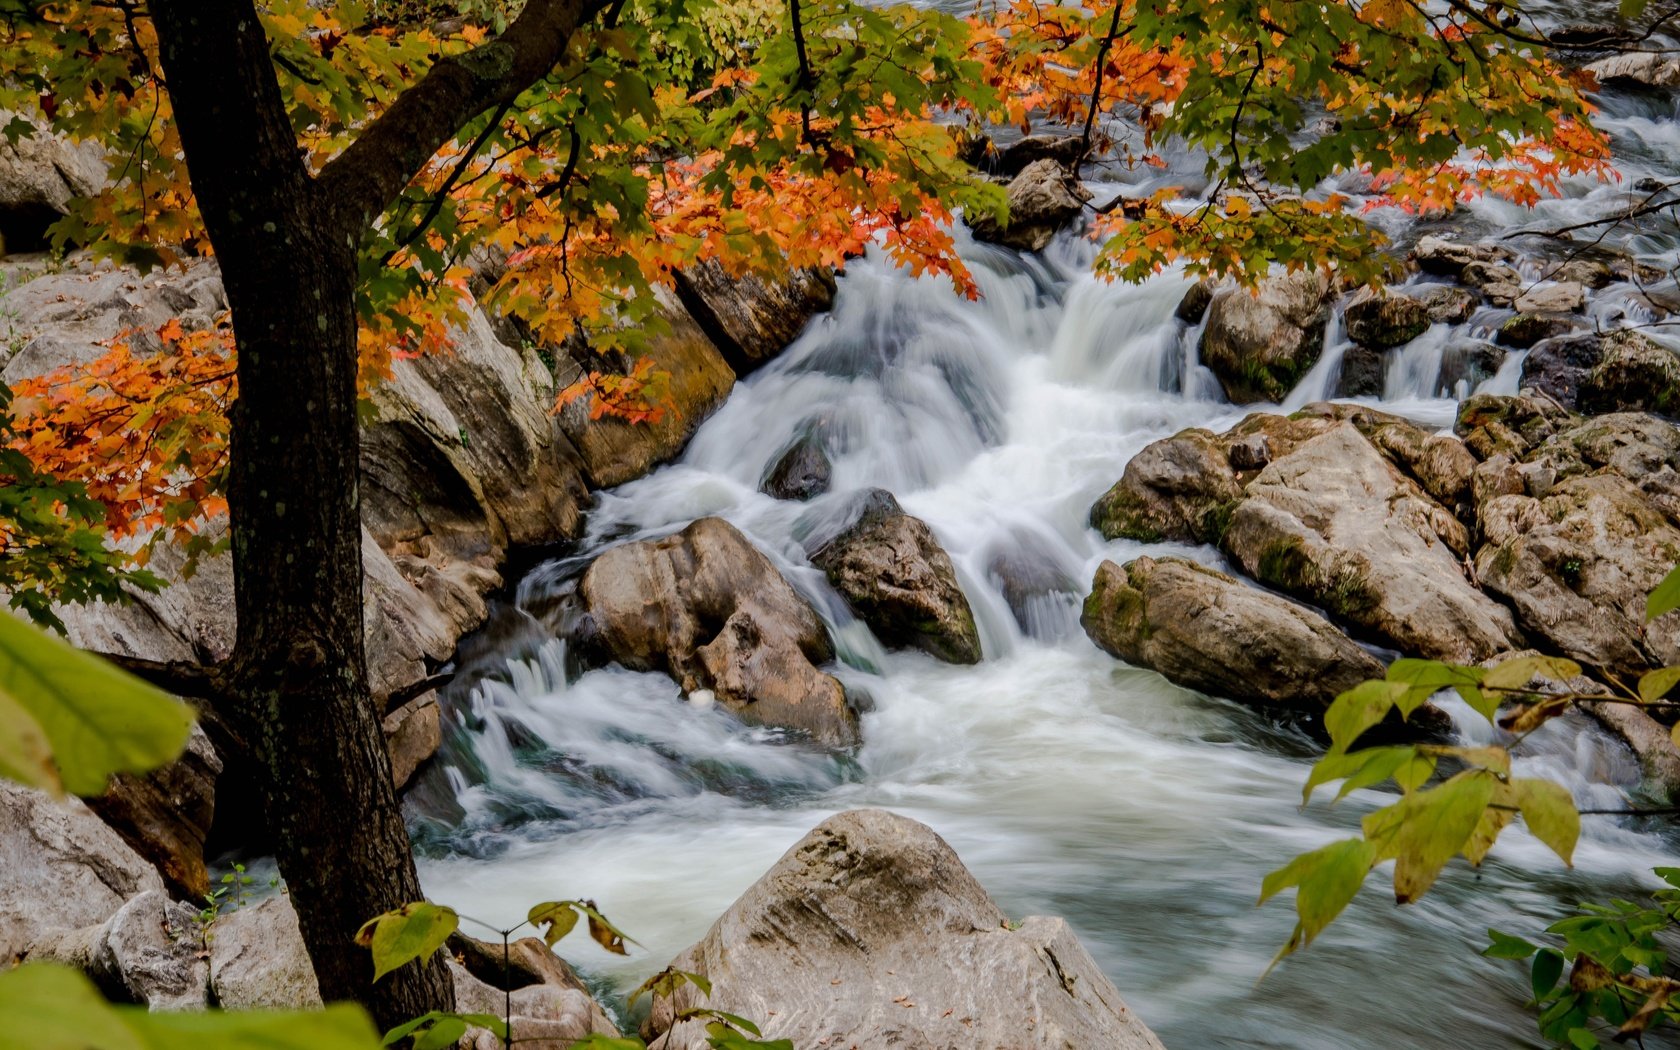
{"points": [[297, 682]]}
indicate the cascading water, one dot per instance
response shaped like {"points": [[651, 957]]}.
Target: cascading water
{"points": [[1070, 783]]}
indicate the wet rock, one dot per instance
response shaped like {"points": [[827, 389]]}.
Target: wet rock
{"points": [[707, 608], [413, 733], [802, 472], [1038, 586], [1557, 298], [1260, 343], [1589, 273], [1491, 424], [1380, 320], [1167, 491], [1633, 373], [1649, 69], [1447, 304], [982, 153], [753, 318], [899, 581], [1193, 307], [151, 953], [870, 932], [1525, 330], [1043, 198], [1471, 363], [615, 450], [1557, 368], [1335, 523], [547, 1015], [1499, 284], [166, 814], [1442, 256], [258, 959], [1364, 373], [61, 869], [1204, 630], [1586, 34], [1577, 564]]}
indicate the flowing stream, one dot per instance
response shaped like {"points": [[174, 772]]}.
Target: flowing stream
{"points": [[1070, 783]]}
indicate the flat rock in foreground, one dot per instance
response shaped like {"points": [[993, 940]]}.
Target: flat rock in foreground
{"points": [[870, 933]]}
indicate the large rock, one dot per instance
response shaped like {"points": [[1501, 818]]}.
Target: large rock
{"points": [[1439, 255], [707, 608], [1526, 330], [1043, 198], [1652, 69], [1633, 373], [1364, 372], [1337, 524], [542, 1016], [40, 175], [615, 450], [1577, 565], [151, 953], [899, 581], [166, 814], [1385, 319], [413, 733], [61, 869], [753, 318], [802, 472], [258, 960], [869, 932], [1260, 343], [1168, 490], [1206, 631]]}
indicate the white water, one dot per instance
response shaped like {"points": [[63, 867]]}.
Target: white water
{"points": [[1070, 783]]}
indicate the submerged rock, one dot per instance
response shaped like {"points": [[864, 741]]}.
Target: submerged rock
{"points": [[1205, 630], [707, 608], [899, 581], [802, 472], [1260, 343], [1471, 363], [1364, 373], [1043, 198], [869, 932]]}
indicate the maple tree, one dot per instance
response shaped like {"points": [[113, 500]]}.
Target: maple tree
{"points": [[351, 165]]}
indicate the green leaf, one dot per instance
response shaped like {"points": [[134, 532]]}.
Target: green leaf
{"points": [[597, 1041], [97, 719], [1654, 685], [558, 916], [25, 754], [1505, 946], [1359, 709], [1326, 880], [1631, 9], [1483, 703], [1515, 674], [414, 931], [1549, 811], [341, 1026], [1665, 598], [1582, 1039], [1545, 971], [1426, 829]]}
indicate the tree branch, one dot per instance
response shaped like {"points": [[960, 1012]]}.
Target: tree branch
{"points": [[359, 183], [182, 677], [1096, 91]]}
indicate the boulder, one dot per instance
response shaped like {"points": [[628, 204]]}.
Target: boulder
{"points": [[1380, 320], [528, 961], [1447, 304], [1577, 564], [258, 960], [616, 450], [1260, 343], [40, 175], [61, 869], [707, 608], [752, 318], [1556, 298], [1470, 362], [1439, 255], [166, 814], [869, 932], [1633, 373], [802, 472], [1525, 330], [1650, 69], [1364, 373], [1008, 161], [151, 953], [1337, 524], [1499, 284], [1204, 630], [413, 733], [1043, 198], [899, 581], [1193, 307], [1589, 273], [542, 1015], [1168, 490]]}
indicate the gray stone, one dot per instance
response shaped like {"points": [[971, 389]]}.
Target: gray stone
{"points": [[151, 953], [1651, 69], [258, 959], [1558, 298], [542, 1016], [752, 318], [1043, 198], [1364, 373], [869, 932], [1633, 373], [1442, 256], [1380, 320], [1260, 343], [802, 472]]}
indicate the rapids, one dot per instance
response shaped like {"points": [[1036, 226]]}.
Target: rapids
{"points": [[1070, 783]]}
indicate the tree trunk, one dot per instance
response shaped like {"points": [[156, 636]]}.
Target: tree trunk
{"points": [[297, 681]]}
